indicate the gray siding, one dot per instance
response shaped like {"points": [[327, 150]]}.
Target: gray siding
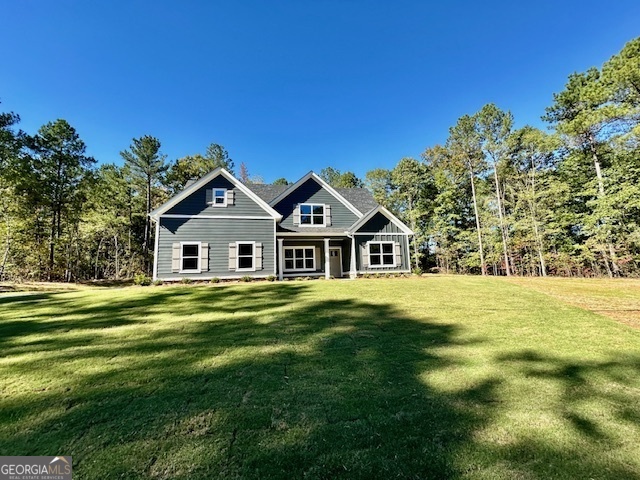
{"points": [[311, 192], [361, 245], [196, 203], [380, 224], [218, 233]]}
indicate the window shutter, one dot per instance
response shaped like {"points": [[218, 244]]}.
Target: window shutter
{"points": [[365, 255], [398, 252], [204, 257], [232, 256], [231, 197], [327, 215], [258, 255], [296, 215], [175, 257], [209, 196]]}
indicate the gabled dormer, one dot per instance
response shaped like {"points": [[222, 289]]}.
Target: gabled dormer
{"points": [[311, 205], [217, 194]]}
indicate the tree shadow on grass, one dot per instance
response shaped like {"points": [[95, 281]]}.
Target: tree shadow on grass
{"points": [[281, 385], [599, 402]]}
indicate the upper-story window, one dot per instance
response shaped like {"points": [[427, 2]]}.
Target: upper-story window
{"points": [[312, 214], [219, 197]]}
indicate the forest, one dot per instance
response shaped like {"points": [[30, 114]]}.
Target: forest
{"points": [[490, 200]]}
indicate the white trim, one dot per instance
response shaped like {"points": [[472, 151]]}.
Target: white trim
{"points": [[313, 225], [382, 264], [352, 265], [408, 254], [203, 181], [253, 251], [340, 256], [386, 213], [155, 251], [275, 250], [213, 198], [182, 244], [280, 242], [293, 247], [312, 234], [244, 217], [327, 259], [323, 184]]}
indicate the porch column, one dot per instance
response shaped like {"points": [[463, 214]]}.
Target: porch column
{"points": [[280, 259], [352, 269], [327, 259]]}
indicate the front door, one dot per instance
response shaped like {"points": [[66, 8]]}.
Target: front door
{"points": [[335, 264]]}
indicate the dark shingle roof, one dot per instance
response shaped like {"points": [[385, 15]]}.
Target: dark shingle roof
{"points": [[360, 198], [267, 192]]}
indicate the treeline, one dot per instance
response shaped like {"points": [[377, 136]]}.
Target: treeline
{"points": [[497, 200], [491, 200], [63, 218]]}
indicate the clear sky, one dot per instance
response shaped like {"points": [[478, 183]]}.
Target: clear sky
{"points": [[293, 86]]}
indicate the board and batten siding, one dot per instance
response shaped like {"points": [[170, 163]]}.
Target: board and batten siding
{"points": [[312, 192], [196, 203], [218, 233], [379, 224], [361, 248]]}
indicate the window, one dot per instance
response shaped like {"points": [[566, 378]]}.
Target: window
{"points": [[381, 254], [312, 214], [299, 258], [219, 197], [190, 257], [246, 257]]}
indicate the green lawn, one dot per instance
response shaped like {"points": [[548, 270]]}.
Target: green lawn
{"points": [[434, 377]]}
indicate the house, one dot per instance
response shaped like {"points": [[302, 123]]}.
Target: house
{"points": [[220, 227]]}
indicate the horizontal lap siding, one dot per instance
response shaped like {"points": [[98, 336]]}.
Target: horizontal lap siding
{"points": [[361, 242], [196, 203], [311, 192], [218, 233]]}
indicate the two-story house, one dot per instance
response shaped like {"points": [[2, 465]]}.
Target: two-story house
{"points": [[220, 227]]}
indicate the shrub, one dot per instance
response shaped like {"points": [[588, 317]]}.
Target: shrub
{"points": [[417, 271], [214, 280], [142, 279], [271, 278], [186, 280], [158, 283], [366, 275], [377, 275], [300, 279], [246, 278]]}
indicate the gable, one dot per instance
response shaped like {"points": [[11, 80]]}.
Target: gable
{"points": [[193, 199], [380, 224], [380, 220], [196, 202], [311, 191]]}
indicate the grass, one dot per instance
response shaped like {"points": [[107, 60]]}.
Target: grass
{"points": [[439, 377]]}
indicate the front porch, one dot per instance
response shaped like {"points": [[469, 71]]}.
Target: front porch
{"points": [[329, 257]]}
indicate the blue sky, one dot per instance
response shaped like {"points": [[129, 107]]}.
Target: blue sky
{"points": [[293, 86]]}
